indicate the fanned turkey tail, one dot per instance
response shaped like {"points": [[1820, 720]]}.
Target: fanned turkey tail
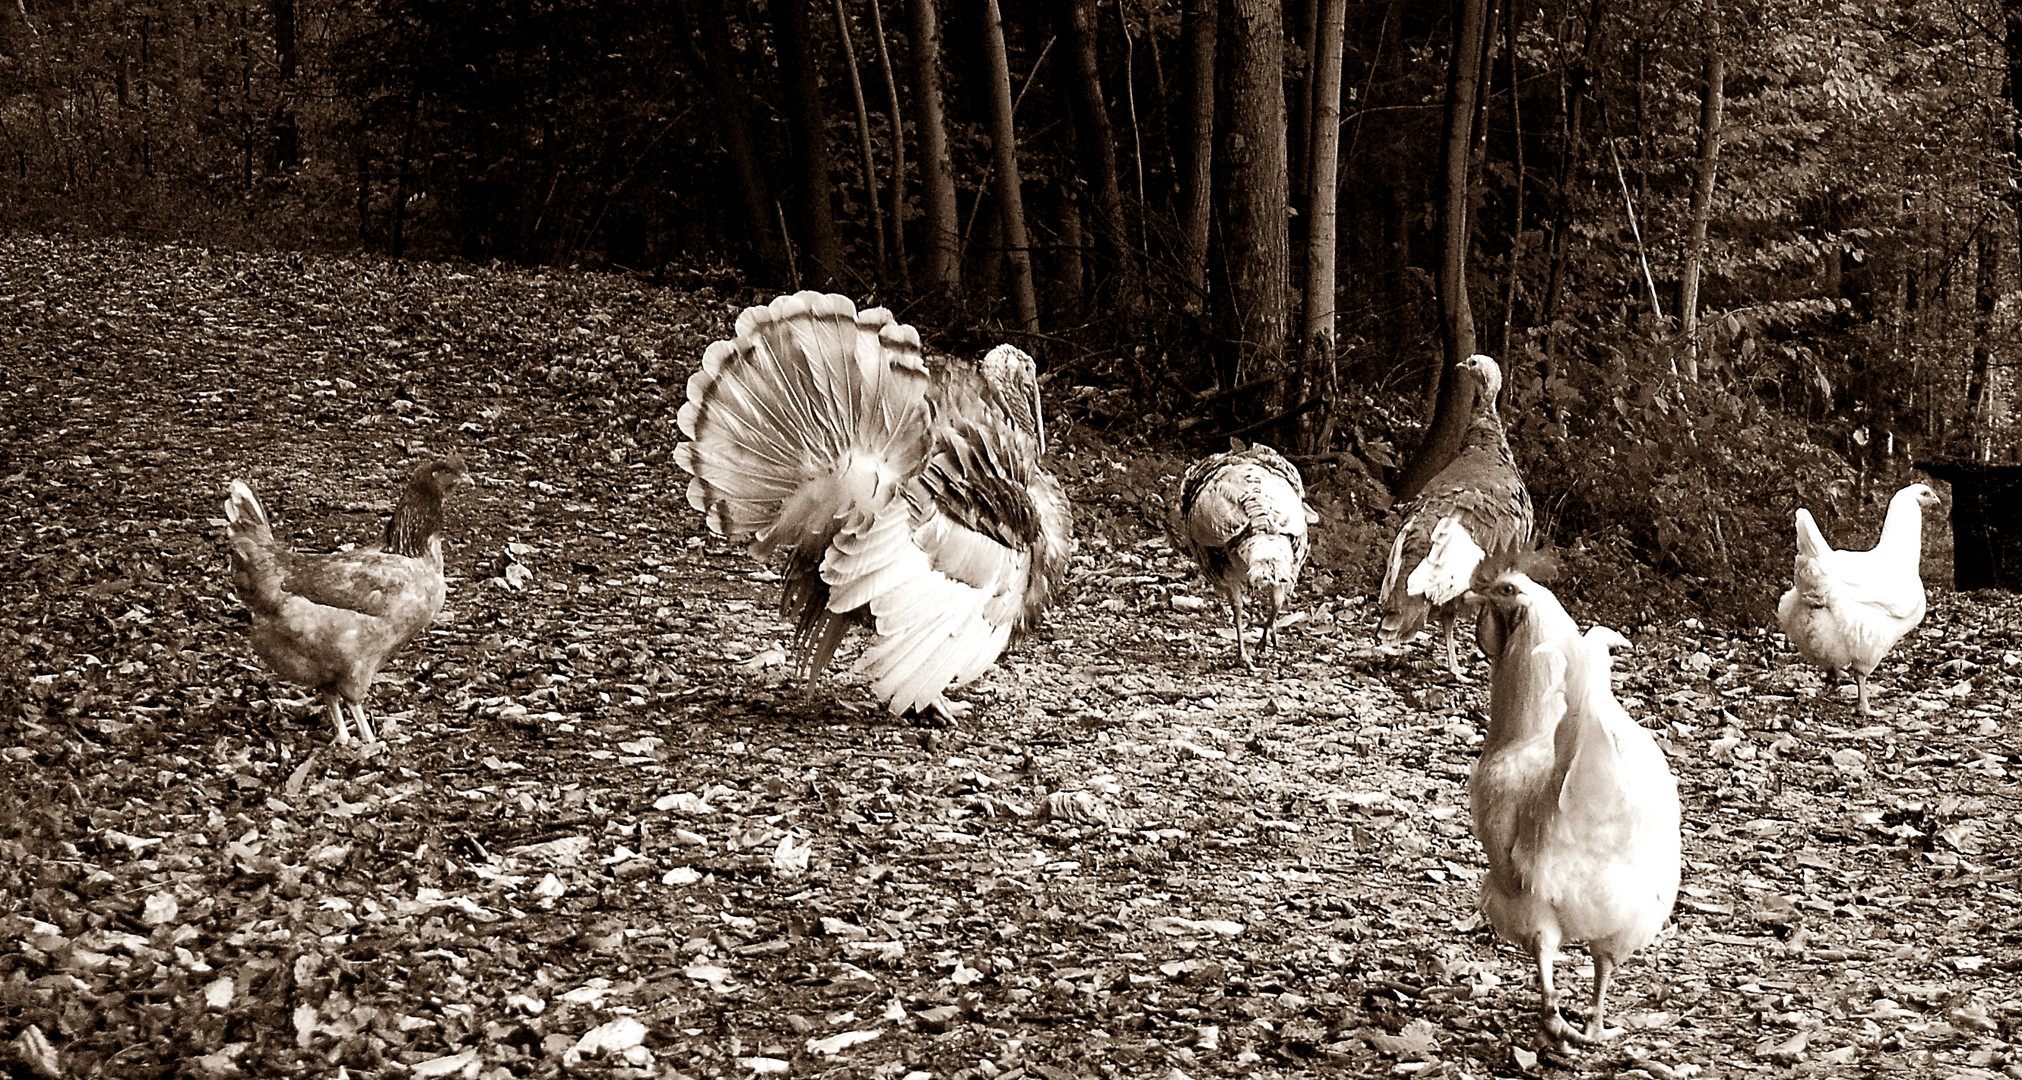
{"points": [[812, 417]]}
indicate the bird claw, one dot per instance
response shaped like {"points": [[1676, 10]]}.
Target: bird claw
{"points": [[947, 713], [1558, 1034], [1563, 1037]]}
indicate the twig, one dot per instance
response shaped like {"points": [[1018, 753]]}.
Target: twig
{"points": [[1297, 410], [1239, 388]]}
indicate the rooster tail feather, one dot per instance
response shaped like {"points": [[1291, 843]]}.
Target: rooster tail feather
{"points": [[1584, 766], [245, 516], [813, 409], [1810, 542], [257, 571]]}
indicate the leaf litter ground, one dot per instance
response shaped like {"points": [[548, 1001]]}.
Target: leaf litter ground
{"points": [[610, 835]]}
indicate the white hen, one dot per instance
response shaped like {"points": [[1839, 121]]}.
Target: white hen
{"points": [[1572, 800], [1847, 609], [1242, 515]]}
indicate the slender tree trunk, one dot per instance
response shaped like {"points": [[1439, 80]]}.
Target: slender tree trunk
{"points": [[1456, 317], [764, 247], [1069, 274], [849, 52], [1512, 28], [1573, 91], [807, 126], [1254, 313], [1010, 200], [1323, 214], [1305, 16], [1710, 106], [1094, 137], [282, 133], [937, 169], [1197, 31], [898, 196], [1986, 296]]}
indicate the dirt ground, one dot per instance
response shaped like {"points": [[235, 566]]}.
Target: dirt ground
{"points": [[609, 834]]}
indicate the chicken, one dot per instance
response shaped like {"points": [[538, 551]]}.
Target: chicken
{"points": [[1475, 507], [1242, 515], [908, 495], [1572, 800], [1847, 609], [327, 622]]}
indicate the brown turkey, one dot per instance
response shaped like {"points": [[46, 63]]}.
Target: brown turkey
{"points": [[1475, 507], [906, 491], [1242, 515]]}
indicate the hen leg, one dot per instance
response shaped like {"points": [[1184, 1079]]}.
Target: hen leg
{"points": [[336, 711], [1554, 1026], [1861, 693], [364, 726], [1598, 1030]]}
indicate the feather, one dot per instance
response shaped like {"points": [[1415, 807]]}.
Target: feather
{"points": [[907, 495], [1571, 799], [1846, 609], [328, 622], [1242, 516], [1475, 508]]}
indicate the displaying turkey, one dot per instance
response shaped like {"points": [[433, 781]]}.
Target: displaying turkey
{"points": [[907, 494], [1847, 609], [1242, 515], [1474, 507]]}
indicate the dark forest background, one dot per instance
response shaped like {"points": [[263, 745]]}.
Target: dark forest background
{"points": [[1733, 256]]}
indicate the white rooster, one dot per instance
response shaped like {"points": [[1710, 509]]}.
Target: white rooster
{"points": [[1242, 515], [1475, 507], [908, 495], [1572, 800], [1847, 609]]}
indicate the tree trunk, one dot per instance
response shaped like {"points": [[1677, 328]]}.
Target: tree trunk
{"points": [[1323, 213], [898, 196], [1094, 137], [849, 52], [1702, 200], [937, 169], [1010, 200], [1456, 319], [1302, 25], [1986, 296], [284, 137], [1512, 28], [1573, 90], [1197, 29], [764, 245], [807, 127], [1253, 314]]}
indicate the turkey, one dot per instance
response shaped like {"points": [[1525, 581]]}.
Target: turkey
{"points": [[1242, 515], [1847, 609], [1476, 506], [906, 493]]}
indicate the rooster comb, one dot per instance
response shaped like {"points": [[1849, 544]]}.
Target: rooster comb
{"points": [[1539, 565]]}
